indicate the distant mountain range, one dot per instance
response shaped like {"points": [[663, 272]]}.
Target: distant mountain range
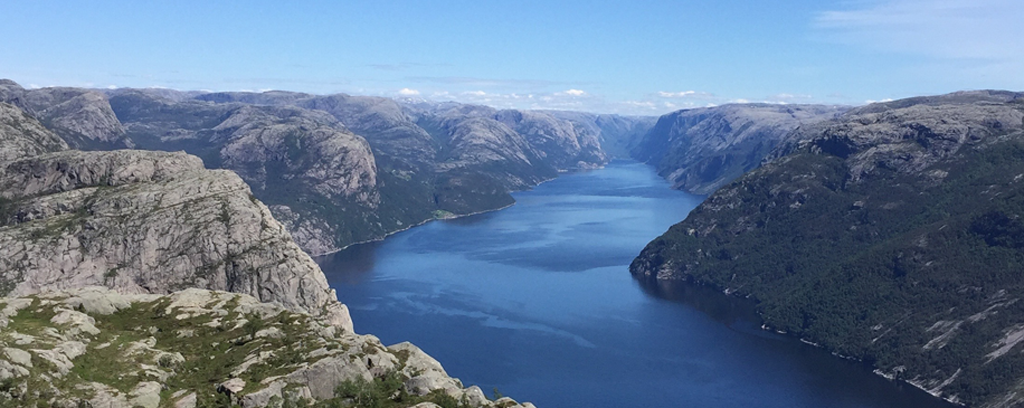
{"points": [[339, 169]]}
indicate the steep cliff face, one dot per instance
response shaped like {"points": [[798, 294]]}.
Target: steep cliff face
{"points": [[564, 144], [700, 150], [891, 234], [317, 176], [95, 347], [141, 222], [82, 117], [147, 222]]}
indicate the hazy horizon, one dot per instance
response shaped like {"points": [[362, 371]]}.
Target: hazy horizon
{"points": [[605, 57]]}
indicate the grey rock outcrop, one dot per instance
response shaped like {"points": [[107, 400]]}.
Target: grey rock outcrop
{"points": [[148, 222], [315, 174], [21, 135], [142, 351], [907, 136]]}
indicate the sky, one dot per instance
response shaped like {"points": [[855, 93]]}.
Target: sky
{"points": [[627, 57]]}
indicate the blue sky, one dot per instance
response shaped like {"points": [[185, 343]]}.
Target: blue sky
{"points": [[602, 56]]}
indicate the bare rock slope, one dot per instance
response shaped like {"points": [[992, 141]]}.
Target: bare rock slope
{"points": [[143, 222], [82, 117], [21, 135]]}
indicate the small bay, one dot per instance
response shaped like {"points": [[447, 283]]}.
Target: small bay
{"points": [[536, 301]]}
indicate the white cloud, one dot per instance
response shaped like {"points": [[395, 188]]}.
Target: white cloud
{"points": [[574, 92], [790, 97], [642, 104], [111, 86], [686, 94], [664, 94], [871, 101], [408, 92], [740, 100], [475, 93]]}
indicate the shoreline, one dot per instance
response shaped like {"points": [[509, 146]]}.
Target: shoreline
{"points": [[411, 226], [764, 326], [457, 216]]}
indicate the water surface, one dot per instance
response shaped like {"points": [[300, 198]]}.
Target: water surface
{"points": [[536, 300]]}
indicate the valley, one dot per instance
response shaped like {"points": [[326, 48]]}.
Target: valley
{"points": [[535, 300], [458, 204], [846, 227]]}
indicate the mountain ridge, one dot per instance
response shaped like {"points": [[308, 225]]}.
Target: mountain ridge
{"points": [[107, 261], [406, 163], [888, 234]]}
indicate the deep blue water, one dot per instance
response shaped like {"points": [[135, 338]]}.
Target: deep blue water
{"points": [[536, 300]]}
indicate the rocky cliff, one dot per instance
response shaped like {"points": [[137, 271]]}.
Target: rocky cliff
{"points": [[102, 252], [700, 150], [82, 117], [197, 348], [317, 177], [891, 234], [21, 135], [616, 134], [340, 169], [142, 222]]}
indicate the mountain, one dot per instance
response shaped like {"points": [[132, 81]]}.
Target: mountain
{"points": [[21, 135], [141, 222], [436, 160], [82, 117], [616, 134], [319, 178], [340, 169], [198, 348], [700, 150], [891, 234], [107, 261]]}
